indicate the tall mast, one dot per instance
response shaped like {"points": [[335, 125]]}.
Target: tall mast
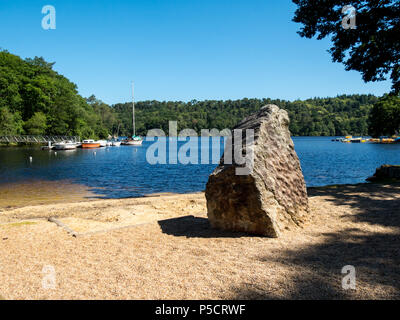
{"points": [[133, 109]]}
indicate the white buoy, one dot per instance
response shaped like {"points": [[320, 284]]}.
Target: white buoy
{"points": [[94, 153], [55, 153], [30, 159]]}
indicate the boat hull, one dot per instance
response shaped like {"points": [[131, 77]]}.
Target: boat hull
{"points": [[133, 143], [64, 148], [90, 145]]}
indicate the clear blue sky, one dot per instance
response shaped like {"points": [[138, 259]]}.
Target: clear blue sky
{"points": [[179, 49]]}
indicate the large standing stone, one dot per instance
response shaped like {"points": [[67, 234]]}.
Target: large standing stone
{"points": [[273, 196]]}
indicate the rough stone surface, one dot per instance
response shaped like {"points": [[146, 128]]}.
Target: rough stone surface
{"points": [[386, 172], [273, 197]]}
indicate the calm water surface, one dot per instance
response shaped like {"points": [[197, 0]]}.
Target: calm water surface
{"points": [[119, 172]]}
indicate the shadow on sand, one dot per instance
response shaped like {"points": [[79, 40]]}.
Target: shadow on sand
{"points": [[375, 255], [377, 204], [194, 227], [317, 267]]}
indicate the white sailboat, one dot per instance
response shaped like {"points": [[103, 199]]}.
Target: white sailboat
{"points": [[135, 140], [115, 142]]}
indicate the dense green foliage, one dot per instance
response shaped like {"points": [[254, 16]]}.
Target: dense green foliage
{"points": [[372, 47], [314, 117], [34, 99], [385, 116]]}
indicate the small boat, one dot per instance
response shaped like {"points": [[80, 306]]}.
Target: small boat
{"points": [[357, 140], [65, 145], [115, 143], [134, 141], [89, 144], [387, 140]]}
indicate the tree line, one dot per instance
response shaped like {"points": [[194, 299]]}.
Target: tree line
{"points": [[35, 100], [313, 117]]}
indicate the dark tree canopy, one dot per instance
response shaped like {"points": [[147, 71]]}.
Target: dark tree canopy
{"points": [[385, 116], [372, 48]]}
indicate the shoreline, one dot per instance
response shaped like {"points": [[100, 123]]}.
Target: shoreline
{"points": [[63, 207], [93, 197]]}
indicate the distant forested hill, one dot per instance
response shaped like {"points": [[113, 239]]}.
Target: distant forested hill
{"points": [[35, 99], [313, 117]]}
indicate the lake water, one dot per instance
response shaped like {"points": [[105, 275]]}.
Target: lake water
{"points": [[119, 172]]}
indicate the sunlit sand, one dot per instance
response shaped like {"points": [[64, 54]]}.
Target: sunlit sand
{"points": [[162, 247]]}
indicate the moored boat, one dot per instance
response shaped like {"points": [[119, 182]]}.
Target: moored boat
{"points": [[344, 140], [387, 140], [135, 140], [357, 140], [90, 144], [115, 143], [65, 145]]}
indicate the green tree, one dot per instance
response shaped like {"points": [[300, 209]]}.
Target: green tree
{"points": [[10, 123], [318, 116], [36, 98], [385, 116], [372, 48], [36, 125]]}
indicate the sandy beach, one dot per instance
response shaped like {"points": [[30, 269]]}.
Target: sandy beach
{"points": [[162, 247]]}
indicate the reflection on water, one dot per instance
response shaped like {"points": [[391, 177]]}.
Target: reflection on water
{"points": [[20, 194], [120, 172]]}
